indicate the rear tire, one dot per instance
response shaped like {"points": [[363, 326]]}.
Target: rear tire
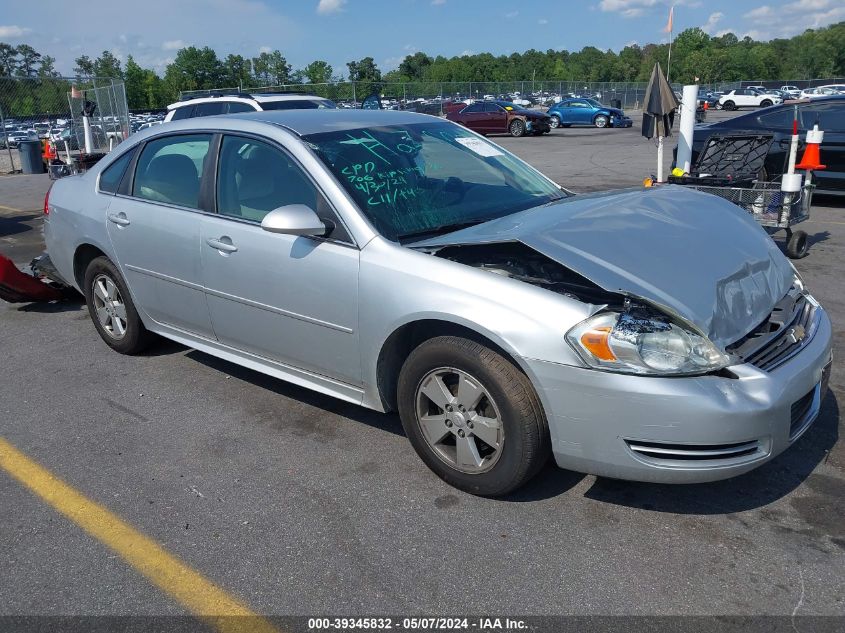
{"points": [[555, 122], [112, 310], [484, 430], [798, 245], [729, 105], [517, 128]]}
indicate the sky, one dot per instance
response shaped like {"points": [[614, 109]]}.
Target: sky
{"points": [[338, 31]]}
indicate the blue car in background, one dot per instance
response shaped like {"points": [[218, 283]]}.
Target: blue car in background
{"points": [[585, 111]]}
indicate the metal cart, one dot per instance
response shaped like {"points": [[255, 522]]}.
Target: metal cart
{"points": [[774, 209], [732, 166]]}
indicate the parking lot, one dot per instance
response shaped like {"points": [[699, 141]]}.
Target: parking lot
{"points": [[293, 503]]}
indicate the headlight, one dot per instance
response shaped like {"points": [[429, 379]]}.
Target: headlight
{"points": [[638, 341]]}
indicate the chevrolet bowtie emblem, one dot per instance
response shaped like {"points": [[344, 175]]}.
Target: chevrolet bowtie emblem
{"points": [[796, 334]]}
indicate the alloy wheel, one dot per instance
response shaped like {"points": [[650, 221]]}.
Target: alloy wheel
{"points": [[555, 122], [109, 306], [459, 420]]}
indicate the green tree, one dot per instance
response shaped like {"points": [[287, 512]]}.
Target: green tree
{"points": [[236, 71], [8, 59], [84, 66], [47, 67], [28, 59], [413, 67], [318, 72], [107, 65], [192, 69]]}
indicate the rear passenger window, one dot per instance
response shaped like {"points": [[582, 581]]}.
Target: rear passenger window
{"points": [[238, 106], [185, 112], [169, 169], [113, 174], [210, 109]]}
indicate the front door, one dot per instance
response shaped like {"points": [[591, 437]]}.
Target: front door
{"points": [[292, 299], [155, 232], [497, 118]]}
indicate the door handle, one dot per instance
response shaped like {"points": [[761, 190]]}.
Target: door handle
{"points": [[119, 218], [223, 244]]}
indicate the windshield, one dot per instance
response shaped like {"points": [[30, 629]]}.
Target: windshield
{"points": [[412, 181], [594, 103]]}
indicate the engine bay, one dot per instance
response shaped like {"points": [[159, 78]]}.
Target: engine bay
{"points": [[518, 261]]}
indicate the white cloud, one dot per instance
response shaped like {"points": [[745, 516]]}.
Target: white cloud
{"points": [[173, 45], [326, 7], [792, 18], [265, 49], [13, 32], [438, 3], [511, 15], [712, 21], [542, 21]]}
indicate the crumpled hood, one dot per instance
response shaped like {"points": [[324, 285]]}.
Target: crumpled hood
{"points": [[694, 254]]}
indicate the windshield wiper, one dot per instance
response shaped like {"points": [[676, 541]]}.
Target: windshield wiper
{"points": [[439, 230]]}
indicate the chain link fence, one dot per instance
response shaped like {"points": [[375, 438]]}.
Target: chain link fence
{"points": [[43, 108], [430, 96]]}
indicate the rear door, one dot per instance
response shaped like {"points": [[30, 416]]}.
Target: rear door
{"points": [[154, 227]]}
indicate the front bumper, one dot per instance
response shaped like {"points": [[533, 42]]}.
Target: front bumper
{"points": [[682, 430], [538, 125], [621, 122]]}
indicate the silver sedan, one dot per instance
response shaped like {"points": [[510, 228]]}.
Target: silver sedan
{"points": [[402, 262]]}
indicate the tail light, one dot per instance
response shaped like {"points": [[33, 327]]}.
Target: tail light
{"points": [[47, 201]]}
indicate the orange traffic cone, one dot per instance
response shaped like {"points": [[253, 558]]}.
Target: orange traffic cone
{"points": [[811, 160], [49, 151]]}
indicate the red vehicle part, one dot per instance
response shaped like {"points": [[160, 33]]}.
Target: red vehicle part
{"points": [[18, 287]]}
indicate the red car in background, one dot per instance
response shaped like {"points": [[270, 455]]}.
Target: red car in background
{"points": [[501, 117]]}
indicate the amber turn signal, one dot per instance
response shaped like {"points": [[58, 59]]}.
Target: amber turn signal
{"points": [[597, 342]]}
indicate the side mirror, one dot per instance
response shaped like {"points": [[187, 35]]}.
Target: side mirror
{"points": [[293, 219]]}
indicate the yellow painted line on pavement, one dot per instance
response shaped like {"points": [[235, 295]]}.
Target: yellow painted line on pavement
{"points": [[5, 208], [200, 596]]}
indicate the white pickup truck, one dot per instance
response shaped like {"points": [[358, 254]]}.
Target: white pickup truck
{"points": [[748, 98]]}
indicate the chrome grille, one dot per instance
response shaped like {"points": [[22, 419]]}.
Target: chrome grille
{"points": [[790, 326], [692, 455]]}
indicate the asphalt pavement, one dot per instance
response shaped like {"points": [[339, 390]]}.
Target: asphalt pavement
{"points": [[298, 504]]}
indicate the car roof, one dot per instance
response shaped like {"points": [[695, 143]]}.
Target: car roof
{"points": [[305, 122], [246, 98]]}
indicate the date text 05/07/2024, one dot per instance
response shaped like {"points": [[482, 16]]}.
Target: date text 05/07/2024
{"points": [[481, 624]]}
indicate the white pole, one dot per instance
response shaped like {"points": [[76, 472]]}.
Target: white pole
{"points": [[89, 138], [660, 159], [689, 102]]}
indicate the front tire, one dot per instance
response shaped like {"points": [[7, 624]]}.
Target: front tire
{"points": [[517, 128], [765, 103], [472, 416], [111, 309], [600, 121]]}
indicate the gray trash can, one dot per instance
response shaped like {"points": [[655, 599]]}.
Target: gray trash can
{"points": [[616, 103], [30, 155]]}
